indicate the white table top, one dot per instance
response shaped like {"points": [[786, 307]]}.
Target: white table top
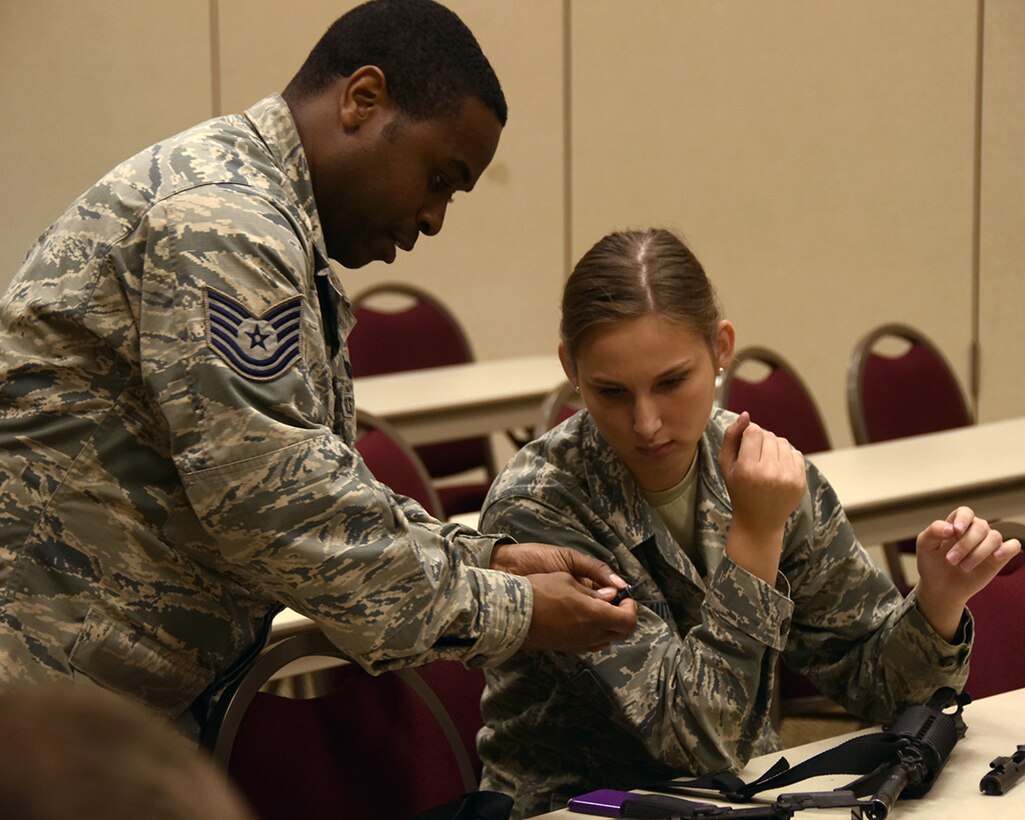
{"points": [[444, 403], [894, 489], [995, 728]]}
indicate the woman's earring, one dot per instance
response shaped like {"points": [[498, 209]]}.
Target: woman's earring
{"points": [[576, 388]]}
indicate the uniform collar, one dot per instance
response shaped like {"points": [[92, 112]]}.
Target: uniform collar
{"points": [[620, 503], [272, 120]]}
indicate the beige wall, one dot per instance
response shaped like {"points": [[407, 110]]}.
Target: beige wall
{"points": [[82, 91], [1003, 213], [819, 154]]}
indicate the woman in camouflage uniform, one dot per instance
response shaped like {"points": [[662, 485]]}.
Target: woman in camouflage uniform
{"points": [[738, 551]]}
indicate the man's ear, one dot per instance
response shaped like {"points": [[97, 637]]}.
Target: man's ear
{"points": [[725, 339], [363, 96]]}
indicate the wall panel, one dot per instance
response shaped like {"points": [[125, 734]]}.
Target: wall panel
{"points": [[817, 154], [87, 84], [1002, 277]]}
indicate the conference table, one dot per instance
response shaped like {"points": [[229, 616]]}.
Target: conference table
{"points": [[890, 490], [995, 728], [893, 489], [457, 401]]}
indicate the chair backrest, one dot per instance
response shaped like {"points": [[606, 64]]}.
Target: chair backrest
{"points": [[903, 394], [394, 463], [999, 614], [385, 746], [556, 407], [400, 327], [763, 383]]}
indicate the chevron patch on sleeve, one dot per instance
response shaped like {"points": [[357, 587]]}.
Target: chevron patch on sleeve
{"points": [[261, 347]]}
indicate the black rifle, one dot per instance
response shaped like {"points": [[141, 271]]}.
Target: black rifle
{"points": [[903, 760], [925, 737]]}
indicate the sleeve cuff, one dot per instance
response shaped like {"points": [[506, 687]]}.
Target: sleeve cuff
{"points": [[924, 651], [750, 605], [476, 549], [506, 608]]}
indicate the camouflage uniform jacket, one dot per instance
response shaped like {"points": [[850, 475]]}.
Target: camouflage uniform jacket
{"points": [[690, 690], [176, 441]]}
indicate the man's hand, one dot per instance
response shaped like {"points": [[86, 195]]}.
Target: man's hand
{"points": [[571, 595], [528, 559], [956, 559], [570, 617]]}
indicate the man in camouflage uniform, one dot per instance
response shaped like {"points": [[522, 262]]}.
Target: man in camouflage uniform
{"points": [[690, 691], [176, 402]]}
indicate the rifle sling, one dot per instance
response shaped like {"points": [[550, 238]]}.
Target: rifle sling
{"points": [[860, 755]]}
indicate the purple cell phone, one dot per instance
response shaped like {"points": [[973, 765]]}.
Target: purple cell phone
{"points": [[600, 803]]}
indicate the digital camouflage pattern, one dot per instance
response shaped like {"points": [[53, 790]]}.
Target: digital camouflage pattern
{"points": [[690, 691], [176, 442]]}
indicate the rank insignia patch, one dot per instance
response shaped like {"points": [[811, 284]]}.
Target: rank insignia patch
{"points": [[258, 347]]}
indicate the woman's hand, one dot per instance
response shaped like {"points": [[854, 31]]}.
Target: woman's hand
{"points": [[766, 480], [957, 558]]}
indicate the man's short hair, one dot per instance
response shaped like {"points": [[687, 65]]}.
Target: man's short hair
{"points": [[430, 59], [78, 751]]}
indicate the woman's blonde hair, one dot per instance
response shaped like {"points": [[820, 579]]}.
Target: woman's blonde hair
{"points": [[629, 274]]}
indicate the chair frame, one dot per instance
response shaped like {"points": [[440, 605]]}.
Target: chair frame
{"points": [[772, 359], [562, 395], [893, 550], [859, 360], [231, 710], [759, 354], [413, 292]]}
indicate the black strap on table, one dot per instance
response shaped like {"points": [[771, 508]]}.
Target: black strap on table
{"points": [[858, 756], [903, 759]]}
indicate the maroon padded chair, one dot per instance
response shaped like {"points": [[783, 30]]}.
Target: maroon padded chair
{"points": [[997, 664], [909, 391], [778, 401], [394, 463], [387, 746], [400, 327]]}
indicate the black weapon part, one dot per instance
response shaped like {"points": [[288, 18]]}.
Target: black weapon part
{"points": [[838, 798], [625, 592], [664, 807], [926, 735], [1004, 773]]}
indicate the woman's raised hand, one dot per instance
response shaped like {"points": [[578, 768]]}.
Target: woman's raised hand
{"points": [[956, 558], [766, 480]]}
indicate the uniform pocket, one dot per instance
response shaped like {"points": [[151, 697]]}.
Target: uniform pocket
{"points": [[119, 657]]}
